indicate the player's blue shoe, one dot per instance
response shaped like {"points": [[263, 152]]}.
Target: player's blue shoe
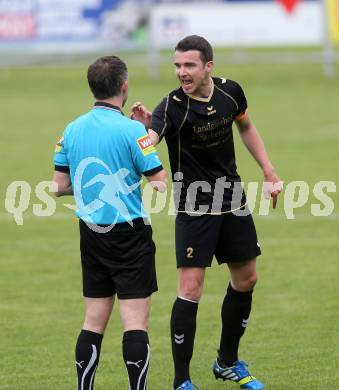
{"points": [[237, 373], [187, 385]]}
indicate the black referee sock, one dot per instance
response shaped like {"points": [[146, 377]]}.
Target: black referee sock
{"points": [[183, 326], [87, 354], [235, 312], [136, 353]]}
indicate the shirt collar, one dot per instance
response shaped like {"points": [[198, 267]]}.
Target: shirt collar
{"points": [[107, 106], [204, 99]]}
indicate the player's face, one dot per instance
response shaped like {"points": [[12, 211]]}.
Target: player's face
{"points": [[192, 72]]}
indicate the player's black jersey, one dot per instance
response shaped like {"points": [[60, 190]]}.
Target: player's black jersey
{"points": [[199, 137]]}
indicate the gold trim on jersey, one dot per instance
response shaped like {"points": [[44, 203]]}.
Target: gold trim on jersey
{"points": [[179, 140], [222, 212], [229, 96], [165, 118], [202, 99]]}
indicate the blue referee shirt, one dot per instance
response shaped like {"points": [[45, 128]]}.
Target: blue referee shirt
{"points": [[106, 154]]}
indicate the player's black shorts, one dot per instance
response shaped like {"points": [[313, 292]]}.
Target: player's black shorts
{"points": [[228, 237], [121, 261]]}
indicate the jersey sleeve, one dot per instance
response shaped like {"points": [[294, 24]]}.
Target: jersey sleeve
{"points": [[145, 156], [60, 158], [161, 122], [235, 90]]}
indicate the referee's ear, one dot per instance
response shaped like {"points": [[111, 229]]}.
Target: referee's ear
{"points": [[124, 87], [124, 91]]}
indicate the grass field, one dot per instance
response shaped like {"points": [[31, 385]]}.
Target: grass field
{"points": [[292, 342]]}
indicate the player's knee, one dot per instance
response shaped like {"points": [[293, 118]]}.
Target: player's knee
{"points": [[246, 284], [191, 291], [139, 323], [95, 323], [250, 282]]}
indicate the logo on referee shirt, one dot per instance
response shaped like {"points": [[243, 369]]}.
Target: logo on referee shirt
{"points": [[113, 186], [58, 146], [145, 145]]}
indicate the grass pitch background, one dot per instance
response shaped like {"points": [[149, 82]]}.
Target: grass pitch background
{"points": [[292, 341]]}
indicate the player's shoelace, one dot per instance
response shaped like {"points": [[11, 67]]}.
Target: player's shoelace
{"points": [[241, 369], [187, 385], [237, 373]]}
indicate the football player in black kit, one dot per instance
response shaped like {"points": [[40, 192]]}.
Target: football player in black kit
{"points": [[212, 217]]}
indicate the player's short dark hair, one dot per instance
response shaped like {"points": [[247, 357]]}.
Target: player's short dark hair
{"points": [[106, 76], [195, 42]]}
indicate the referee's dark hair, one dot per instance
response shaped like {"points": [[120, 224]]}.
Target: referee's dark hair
{"points": [[106, 76], [195, 42]]}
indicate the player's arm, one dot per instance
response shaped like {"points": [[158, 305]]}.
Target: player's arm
{"points": [[156, 123], [140, 113], [153, 136], [147, 160], [61, 175], [158, 180], [63, 183], [254, 143]]}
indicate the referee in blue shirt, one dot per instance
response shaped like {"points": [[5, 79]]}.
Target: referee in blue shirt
{"points": [[101, 158]]}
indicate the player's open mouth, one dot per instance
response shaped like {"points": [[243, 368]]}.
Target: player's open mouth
{"points": [[186, 83]]}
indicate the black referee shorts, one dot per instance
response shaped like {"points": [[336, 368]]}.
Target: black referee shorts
{"points": [[121, 261], [228, 237]]}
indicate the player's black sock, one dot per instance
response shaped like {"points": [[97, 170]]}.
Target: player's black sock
{"points": [[87, 354], [183, 325], [136, 353], [235, 312]]}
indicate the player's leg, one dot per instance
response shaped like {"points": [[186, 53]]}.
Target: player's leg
{"points": [[196, 239], [135, 280], [236, 308], [235, 314], [183, 321], [97, 313], [241, 244], [99, 293], [88, 346], [134, 315]]}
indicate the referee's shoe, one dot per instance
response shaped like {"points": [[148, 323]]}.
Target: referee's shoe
{"points": [[237, 373]]}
